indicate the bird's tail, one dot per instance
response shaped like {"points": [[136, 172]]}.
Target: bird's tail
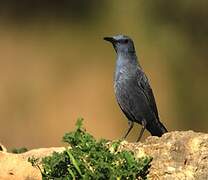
{"points": [[156, 128]]}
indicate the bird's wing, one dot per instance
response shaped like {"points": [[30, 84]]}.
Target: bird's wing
{"points": [[147, 91], [124, 104]]}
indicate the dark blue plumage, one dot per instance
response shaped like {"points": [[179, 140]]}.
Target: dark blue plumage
{"points": [[132, 89]]}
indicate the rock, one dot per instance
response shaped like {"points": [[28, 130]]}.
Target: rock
{"points": [[16, 166], [176, 155]]}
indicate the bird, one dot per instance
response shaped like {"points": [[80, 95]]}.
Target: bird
{"points": [[132, 89]]}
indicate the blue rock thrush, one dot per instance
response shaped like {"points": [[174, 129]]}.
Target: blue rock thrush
{"points": [[132, 89]]}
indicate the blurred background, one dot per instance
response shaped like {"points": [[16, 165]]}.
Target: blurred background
{"points": [[55, 67]]}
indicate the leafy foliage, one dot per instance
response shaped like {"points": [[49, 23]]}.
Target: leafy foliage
{"points": [[89, 159], [19, 150]]}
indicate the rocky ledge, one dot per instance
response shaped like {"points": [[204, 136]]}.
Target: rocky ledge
{"points": [[176, 155]]}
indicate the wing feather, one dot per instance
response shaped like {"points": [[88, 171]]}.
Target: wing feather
{"points": [[147, 91]]}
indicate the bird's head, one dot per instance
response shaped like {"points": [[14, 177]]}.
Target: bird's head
{"points": [[121, 43]]}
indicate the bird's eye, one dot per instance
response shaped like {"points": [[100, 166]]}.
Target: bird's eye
{"points": [[126, 41]]}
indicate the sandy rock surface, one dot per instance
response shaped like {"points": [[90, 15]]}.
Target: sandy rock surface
{"points": [[176, 155]]}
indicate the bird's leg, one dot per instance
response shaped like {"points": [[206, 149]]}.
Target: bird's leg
{"points": [[144, 123], [131, 124]]}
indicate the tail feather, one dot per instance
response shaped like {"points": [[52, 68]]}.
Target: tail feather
{"points": [[156, 128]]}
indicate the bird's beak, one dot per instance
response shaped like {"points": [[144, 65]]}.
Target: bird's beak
{"points": [[110, 39]]}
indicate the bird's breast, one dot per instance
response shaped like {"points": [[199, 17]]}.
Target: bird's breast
{"points": [[123, 81], [124, 75]]}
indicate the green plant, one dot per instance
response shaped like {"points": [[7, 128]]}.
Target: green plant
{"points": [[19, 150], [87, 158]]}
